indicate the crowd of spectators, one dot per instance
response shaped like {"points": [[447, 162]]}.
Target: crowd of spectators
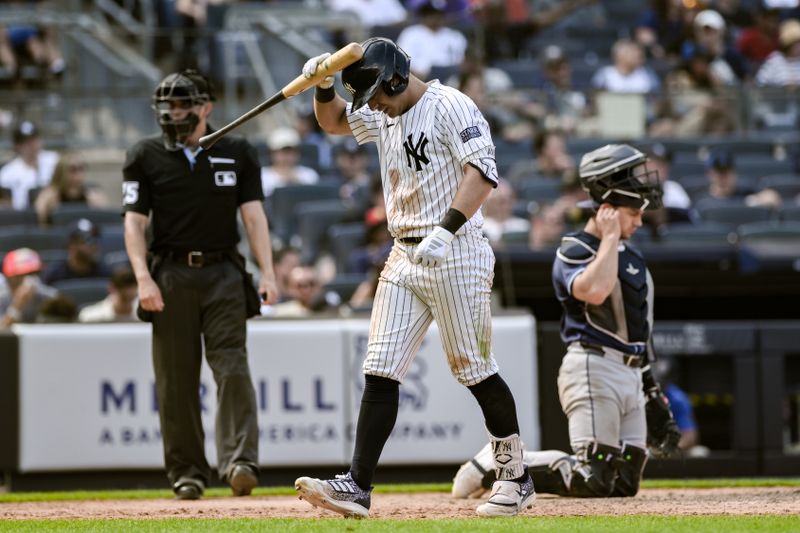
{"points": [[682, 58]]}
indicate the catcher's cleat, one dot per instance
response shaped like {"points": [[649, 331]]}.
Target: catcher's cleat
{"points": [[341, 495], [468, 482], [242, 480], [508, 498]]}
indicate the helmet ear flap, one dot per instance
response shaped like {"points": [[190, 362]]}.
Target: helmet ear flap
{"points": [[394, 86]]}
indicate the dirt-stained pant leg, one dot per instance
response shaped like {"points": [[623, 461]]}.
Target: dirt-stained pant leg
{"points": [[177, 355], [225, 337], [456, 294]]}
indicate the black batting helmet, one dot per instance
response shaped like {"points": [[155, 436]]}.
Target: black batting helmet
{"points": [[189, 88], [384, 64], [617, 174]]}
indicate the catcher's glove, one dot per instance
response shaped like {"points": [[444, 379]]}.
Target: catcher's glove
{"points": [[663, 434]]}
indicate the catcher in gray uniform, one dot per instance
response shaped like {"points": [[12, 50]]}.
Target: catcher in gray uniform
{"points": [[615, 407]]}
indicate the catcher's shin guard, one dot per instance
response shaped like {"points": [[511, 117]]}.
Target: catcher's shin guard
{"points": [[594, 473], [551, 471], [629, 473]]}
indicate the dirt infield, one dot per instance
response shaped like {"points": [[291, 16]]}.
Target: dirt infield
{"points": [[727, 501]]}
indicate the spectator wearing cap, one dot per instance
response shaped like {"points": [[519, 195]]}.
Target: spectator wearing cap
{"points": [[662, 28], [676, 201], [758, 41], [23, 294], [285, 168], [67, 187], [782, 67], [564, 106], [723, 184], [351, 172], [628, 73], [32, 168], [119, 305], [709, 35], [431, 43], [83, 252]]}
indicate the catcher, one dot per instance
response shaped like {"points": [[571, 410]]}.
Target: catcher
{"points": [[615, 407]]}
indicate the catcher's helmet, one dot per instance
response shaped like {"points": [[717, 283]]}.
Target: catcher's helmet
{"points": [[188, 88], [384, 64], [617, 174]]}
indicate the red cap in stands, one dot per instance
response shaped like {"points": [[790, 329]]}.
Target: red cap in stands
{"points": [[20, 262]]}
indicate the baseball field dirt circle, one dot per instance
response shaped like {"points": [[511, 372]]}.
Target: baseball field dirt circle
{"points": [[716, 501]]}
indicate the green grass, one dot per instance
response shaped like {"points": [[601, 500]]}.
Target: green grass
{"points": [[148, 494], [593, 524]]}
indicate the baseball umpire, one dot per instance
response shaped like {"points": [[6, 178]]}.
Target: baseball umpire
{"points": [[437, 167], [607, 390], [192, 283]]}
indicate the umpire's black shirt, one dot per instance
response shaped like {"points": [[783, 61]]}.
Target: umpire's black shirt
{"points": [[193, 197]]}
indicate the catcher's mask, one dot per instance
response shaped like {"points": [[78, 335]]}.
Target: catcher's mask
{"points": [[384, 65], [186, 89], [617, 174]]}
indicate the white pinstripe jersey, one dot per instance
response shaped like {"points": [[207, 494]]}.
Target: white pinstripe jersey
{"points": [[422, 154]]}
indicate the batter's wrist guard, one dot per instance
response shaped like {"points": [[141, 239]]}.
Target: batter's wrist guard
{"points": [[324, 96], [453, 220]]}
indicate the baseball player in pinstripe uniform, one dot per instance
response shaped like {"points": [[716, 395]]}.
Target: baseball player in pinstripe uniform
{"points": [[614, 405], [437, 167]]}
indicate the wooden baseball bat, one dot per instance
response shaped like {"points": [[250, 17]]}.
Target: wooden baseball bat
{"points": [[343, 57]]}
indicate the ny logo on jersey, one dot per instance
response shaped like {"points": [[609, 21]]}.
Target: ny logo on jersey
{"points": [[416, 151]]}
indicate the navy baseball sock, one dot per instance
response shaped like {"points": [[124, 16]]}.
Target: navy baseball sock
{"points": [[497, 404], [377, 416]]}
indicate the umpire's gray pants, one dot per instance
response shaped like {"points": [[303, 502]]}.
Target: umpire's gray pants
{"points": [[603, 400], [203, 306]]}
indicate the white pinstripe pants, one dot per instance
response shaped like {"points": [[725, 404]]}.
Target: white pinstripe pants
{"points": [[456, 294]]}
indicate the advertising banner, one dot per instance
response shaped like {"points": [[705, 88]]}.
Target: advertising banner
{"points": [[87, 395]]}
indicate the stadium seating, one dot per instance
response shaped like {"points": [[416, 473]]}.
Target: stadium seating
{"points": [[735, 214], [39, 239], [787, 185], [691, 234], [790, 213], [13, 217], [281, 205], [769, 231], [67, 213], [313, 220], [539, 189], [83, 291], [343, 240]]}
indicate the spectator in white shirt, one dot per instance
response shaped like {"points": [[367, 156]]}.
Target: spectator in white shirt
{"points": [[628, 74], [430, 43], [498, 214], [372, 12], [782, 67], [285, 168], [119, 305], [32, 167]]}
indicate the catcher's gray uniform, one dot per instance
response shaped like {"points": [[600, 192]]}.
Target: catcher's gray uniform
{"points": [[604, 374]]}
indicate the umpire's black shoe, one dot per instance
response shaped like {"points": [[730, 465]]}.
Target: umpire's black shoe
{"points": [[188, 491], [242, 480]]}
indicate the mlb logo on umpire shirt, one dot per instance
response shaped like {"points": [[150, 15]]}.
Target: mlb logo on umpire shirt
{"points": [[225, 178]]}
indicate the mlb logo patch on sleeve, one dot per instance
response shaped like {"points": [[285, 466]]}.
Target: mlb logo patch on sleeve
{"points": [[225, 178], [470, 133]]}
